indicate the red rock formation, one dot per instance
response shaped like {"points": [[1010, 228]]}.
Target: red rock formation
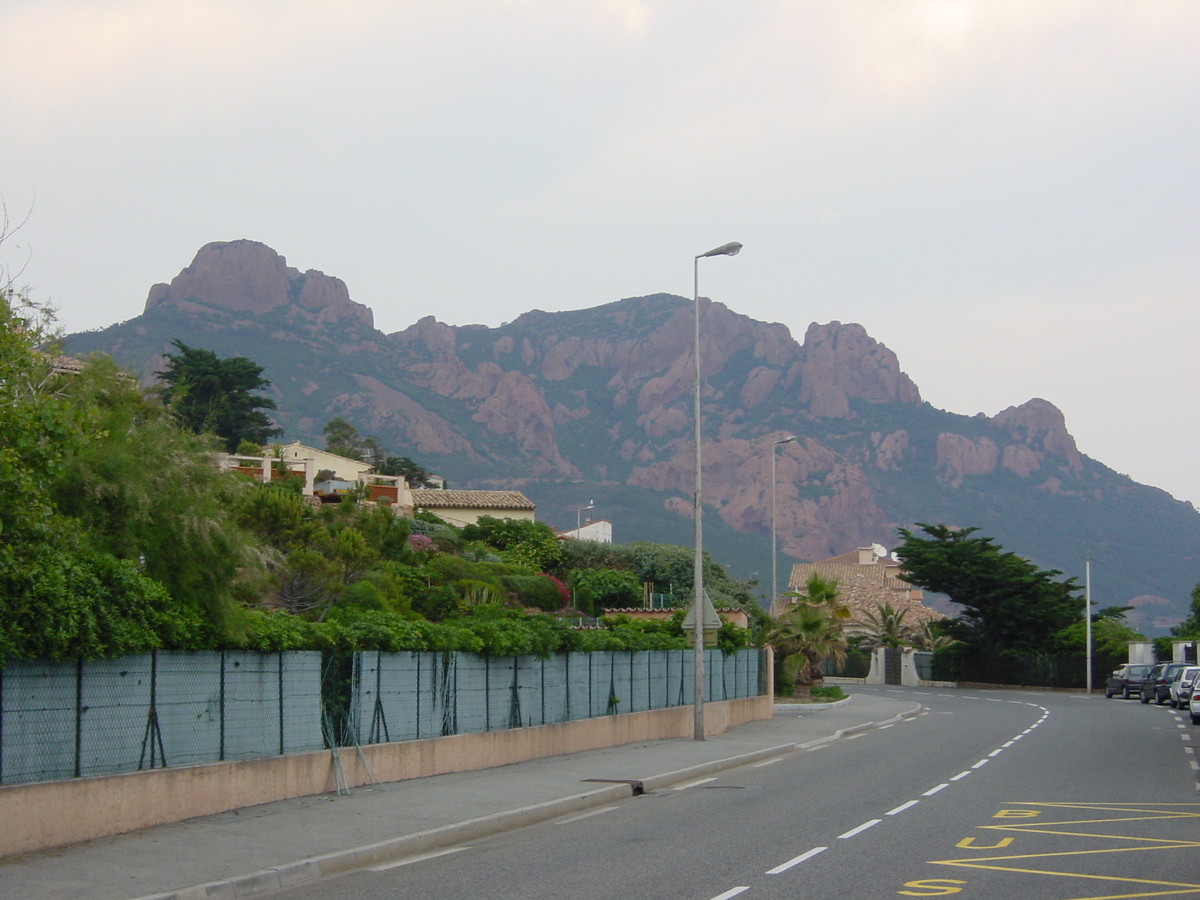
{"points": [[249, 277]]}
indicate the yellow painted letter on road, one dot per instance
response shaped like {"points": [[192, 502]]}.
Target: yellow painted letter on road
{"points": [[969, 843], [1017, 814], [932, 887]]}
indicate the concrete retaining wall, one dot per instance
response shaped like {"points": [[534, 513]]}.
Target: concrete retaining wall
{"points": [[49, 814]]}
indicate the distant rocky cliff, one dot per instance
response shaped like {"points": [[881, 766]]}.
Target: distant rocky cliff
{"points": [[597, 403]]}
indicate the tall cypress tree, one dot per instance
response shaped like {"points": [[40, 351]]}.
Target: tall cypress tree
{"points": [[215, 396]]}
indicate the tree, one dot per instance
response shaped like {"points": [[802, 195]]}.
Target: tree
{"points": [[343, 438], [1190, 627], [146, 490], [809, 632], [1009, 605], [215, 396], [886, 627], [61, 595]]}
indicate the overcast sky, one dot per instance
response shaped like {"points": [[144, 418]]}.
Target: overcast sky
{"points": [[1004, 193]]}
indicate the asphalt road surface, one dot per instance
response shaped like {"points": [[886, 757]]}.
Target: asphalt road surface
{"points": [[986, 794]]}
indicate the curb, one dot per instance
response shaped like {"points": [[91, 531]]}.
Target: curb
{"points": [[308, 870], [811, 707]]}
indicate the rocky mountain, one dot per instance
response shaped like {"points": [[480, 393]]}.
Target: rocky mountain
{"points": [[596, 404]]}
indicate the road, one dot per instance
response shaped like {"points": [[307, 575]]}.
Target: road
{"points": [[984, 794]]}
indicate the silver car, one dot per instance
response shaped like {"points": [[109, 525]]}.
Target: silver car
{"points": [[1180, 690]]}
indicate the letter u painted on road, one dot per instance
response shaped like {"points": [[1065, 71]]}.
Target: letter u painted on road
{"points": [[969, 843], [932, 887]]}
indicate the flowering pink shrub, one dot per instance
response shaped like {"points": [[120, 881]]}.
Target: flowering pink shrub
{"points": [[563, 590], [420, 542]]}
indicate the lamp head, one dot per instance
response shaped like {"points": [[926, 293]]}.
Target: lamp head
{"points": [[730, 249], [788, 440]]}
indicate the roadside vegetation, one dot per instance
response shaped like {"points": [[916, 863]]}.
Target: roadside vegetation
{"points": [[119, 535]]}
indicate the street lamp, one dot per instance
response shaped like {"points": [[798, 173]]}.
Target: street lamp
{"points": [[698, 609], [791, 439], [579, 512]]}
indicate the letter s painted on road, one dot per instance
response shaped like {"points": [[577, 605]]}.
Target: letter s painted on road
{"points": [[932, 887]]}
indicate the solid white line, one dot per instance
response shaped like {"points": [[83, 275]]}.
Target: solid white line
{"points": [[961, 775], [932, 791], [860, 829], [997, 751], [732, 892], [769, 762], [689, 784], [586, 815], [796, 860], [416, 859], [982, 762], [901, 808]]}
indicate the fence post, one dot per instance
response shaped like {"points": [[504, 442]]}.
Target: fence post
{"points": [[221, 708], [78, 715], [281, 743]]}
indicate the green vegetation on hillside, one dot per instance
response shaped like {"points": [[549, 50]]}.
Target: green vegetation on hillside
{"points": [[122, 536]]}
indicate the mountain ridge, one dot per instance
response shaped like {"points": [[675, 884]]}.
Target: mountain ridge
{"points": [[598, 401]]}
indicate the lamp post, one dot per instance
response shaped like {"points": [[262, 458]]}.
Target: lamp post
{"points": [[730, 249], [579, 512], [790, 439], [1087, 620]]}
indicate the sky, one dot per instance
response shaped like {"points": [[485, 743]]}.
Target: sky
{"points": [[1005, 193]]}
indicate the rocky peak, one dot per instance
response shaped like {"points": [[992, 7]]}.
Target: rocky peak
{"points": [[249, 277], [839, 363], [1041, 425]]}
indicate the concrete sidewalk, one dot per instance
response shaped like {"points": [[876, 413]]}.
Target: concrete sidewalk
{"points": [[261, 848]]}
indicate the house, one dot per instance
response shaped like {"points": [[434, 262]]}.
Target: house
{"points": [[301, 459], [599, 531], [461, 508], [866, 578]]}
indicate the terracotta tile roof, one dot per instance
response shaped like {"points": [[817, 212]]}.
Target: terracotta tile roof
{"points": [[863, 587], [433, 499]]}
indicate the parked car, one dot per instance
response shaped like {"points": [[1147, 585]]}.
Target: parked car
{"points": [[1181, 688], [1157, 686], [1127, 680], [1193, 705]]}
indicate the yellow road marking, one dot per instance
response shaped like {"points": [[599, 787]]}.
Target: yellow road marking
{"points": [[1160, 812]]}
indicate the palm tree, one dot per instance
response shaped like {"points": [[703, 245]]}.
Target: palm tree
{"points": [[808, 633], [886, 627]]}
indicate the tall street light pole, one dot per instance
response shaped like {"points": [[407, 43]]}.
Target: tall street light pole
{"points": [[791, 439], [579, 512], [730, 249], [1087, 620]]}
